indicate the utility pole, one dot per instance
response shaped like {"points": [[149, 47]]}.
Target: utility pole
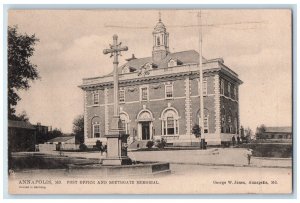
{"points": [[200, 75]]}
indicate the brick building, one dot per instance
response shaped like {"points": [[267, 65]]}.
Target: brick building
{"points": [[159, 97]]}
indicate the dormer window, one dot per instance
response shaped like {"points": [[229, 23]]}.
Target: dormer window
{"points": [[125, 69], [148, 66], [172, 63]]}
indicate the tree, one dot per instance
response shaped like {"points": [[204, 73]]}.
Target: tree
{"points": [[22, 117], [260, 132], [247, 135], [78, 129], [20, 70], [55, 133]]}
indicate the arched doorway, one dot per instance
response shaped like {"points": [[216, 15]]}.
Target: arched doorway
{"points": [[145, 125]]}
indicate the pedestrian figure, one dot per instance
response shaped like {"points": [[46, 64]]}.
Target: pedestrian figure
{"points": [[233, 140], [238, 140], [249, 154]]}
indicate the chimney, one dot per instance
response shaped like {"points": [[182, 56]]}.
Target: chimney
{"points": [[132, 58]]}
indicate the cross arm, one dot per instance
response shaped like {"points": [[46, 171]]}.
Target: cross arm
{"points": [[107, 51], [125, 48]]}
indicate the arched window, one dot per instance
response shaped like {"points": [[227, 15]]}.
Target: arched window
{"points": [[125, 121], [170, 122], [158, 41], [96, 127]]}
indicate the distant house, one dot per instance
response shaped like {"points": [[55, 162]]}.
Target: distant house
{"points": [[67, 142], [21, 136], [278, 133]]}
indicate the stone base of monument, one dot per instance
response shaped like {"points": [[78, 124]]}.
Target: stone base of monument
{"points": [[142, 169], [117, 161]]}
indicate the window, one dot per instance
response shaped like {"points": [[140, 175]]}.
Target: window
{"points": [[144, 93], [223, 120], [234, 92], [96, 130], [170, 122], [170, 125], [229, 125], [204, 87], [172, 63], [235, 127], [96, 98], [125, 122], [122, 96], [124, 125], [169, 91], [125, 69], [158, 41], [148, 66], [229, 89], [222, 86], [205, 123]]}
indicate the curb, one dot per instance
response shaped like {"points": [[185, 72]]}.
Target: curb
{"points": [[229, 165]]}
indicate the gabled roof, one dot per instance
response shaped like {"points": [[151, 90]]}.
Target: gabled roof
{"points": [[61, 139], [20, 124], [278, 129]]}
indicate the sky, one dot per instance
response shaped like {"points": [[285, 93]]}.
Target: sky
{"points": [[256, 44]]}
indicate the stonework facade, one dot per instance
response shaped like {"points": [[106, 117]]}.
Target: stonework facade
{"points": [[159, 97]]}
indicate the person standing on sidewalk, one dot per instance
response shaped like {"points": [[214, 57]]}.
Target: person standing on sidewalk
{"points": [[249, 155]]}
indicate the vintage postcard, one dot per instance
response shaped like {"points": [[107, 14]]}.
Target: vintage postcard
{"points": [[143, 101]]}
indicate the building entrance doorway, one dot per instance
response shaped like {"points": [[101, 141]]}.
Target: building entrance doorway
{"points": [[145, 130], [145, 124]]}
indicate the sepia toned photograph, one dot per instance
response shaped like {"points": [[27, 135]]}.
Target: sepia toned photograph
{"points": [[150, 101]]}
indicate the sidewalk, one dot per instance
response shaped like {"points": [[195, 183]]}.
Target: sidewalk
{"points": [[210, 157]]}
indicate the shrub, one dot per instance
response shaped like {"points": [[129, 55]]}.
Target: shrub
{"points": [[82, 147], [149, 144], [160, 143], [196, 130], [270, 150], [105, 148], [99, 145]]}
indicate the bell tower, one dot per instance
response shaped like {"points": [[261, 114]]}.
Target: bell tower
{"points": [[160, 41]]}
